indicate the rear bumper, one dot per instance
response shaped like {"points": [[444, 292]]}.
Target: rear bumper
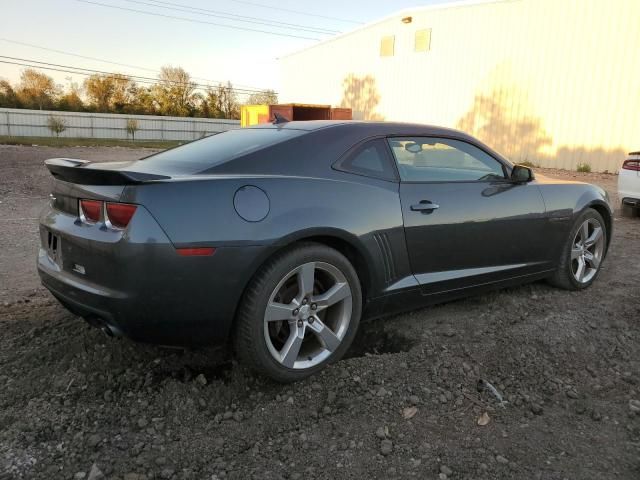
{"points": [[90, 302], [629, 187], [136, 284]]}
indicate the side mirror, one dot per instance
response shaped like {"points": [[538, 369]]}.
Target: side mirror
{"points": [[413, 147], [521, 174]]}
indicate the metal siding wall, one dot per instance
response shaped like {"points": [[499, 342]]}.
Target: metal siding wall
{"points": [[33, 123], [4, 123], [552, 82]]}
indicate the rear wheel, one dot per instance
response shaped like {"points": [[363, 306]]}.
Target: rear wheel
{"points": [[583, 253], [300, 313]]}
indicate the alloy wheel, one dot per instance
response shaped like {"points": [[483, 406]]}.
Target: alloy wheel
{"points": [[307, 315], [587, 250]]}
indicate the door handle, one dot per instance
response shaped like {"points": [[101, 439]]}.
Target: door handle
{"points": [[425, 206]]}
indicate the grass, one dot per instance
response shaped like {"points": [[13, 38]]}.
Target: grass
{"points": [[584, 167], [87, 142]]}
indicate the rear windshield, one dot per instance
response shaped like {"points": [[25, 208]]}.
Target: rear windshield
{"points": [[203, 154]]}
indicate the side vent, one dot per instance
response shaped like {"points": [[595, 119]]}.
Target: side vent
{"points": [[382, 240]]}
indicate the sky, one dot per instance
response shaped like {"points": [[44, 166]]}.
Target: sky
{"points": [[221, 52]]}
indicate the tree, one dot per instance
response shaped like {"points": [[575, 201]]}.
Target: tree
{"points": [[109, 93], [208, 104], [219, 102], [132, 127], [100, 89], [123, 93], [8, 96], [70, 100], [174, 92], [227, 102], [142, 101], [36, 90], [265, 97], [56, 124]]}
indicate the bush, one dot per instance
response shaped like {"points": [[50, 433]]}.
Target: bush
{"points": [[584, 167], [57, 125], [132, 127], [529, 164]]}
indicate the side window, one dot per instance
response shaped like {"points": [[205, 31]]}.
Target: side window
{"points": [[371, 160], [429, 159]]}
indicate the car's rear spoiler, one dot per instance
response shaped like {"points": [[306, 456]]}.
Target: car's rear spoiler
{"points": [[87, 173]]}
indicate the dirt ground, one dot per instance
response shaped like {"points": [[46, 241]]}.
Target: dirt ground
{"points": [[75, 404]]}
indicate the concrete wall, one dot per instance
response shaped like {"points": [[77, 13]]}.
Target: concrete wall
{"points": [[33, 123], [553, 82]]}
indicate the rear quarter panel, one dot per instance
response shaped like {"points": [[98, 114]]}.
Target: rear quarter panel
{"points": [[364, 212]]}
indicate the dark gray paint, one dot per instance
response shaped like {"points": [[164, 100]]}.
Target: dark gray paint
{"points": [[477, 230], [251, 203], [483, 235]]}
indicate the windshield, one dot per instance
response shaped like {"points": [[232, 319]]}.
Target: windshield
{"points": [[203, 154]]}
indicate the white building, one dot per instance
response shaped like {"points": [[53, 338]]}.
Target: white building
{"points": [[552, 82]]}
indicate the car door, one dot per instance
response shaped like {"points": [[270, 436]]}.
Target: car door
{"points": [[465, 222]]}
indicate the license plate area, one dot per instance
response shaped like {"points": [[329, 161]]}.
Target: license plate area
{"points": [[54, 248]]}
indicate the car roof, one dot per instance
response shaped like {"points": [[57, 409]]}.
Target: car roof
{"points": [[301, 125], [365, 126], [359, 130]]}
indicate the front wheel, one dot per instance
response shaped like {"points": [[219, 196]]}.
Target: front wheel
{"points": [[583, 253], [300, 313]]}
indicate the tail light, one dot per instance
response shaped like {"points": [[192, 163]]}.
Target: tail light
{"points": [[90, 210], [116, 215], [119, 214], [631, 165]]}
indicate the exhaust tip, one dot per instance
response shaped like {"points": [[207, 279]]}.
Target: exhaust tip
{"points": [[111, 330], [108, 329]]}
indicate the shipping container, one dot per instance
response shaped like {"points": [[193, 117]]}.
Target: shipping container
{"points": [[256, 114]]}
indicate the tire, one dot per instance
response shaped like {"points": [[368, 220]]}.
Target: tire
{"points": [[575, 251], [283, 310]]}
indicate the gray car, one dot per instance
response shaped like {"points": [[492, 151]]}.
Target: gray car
{"points": [[281, 238]]}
